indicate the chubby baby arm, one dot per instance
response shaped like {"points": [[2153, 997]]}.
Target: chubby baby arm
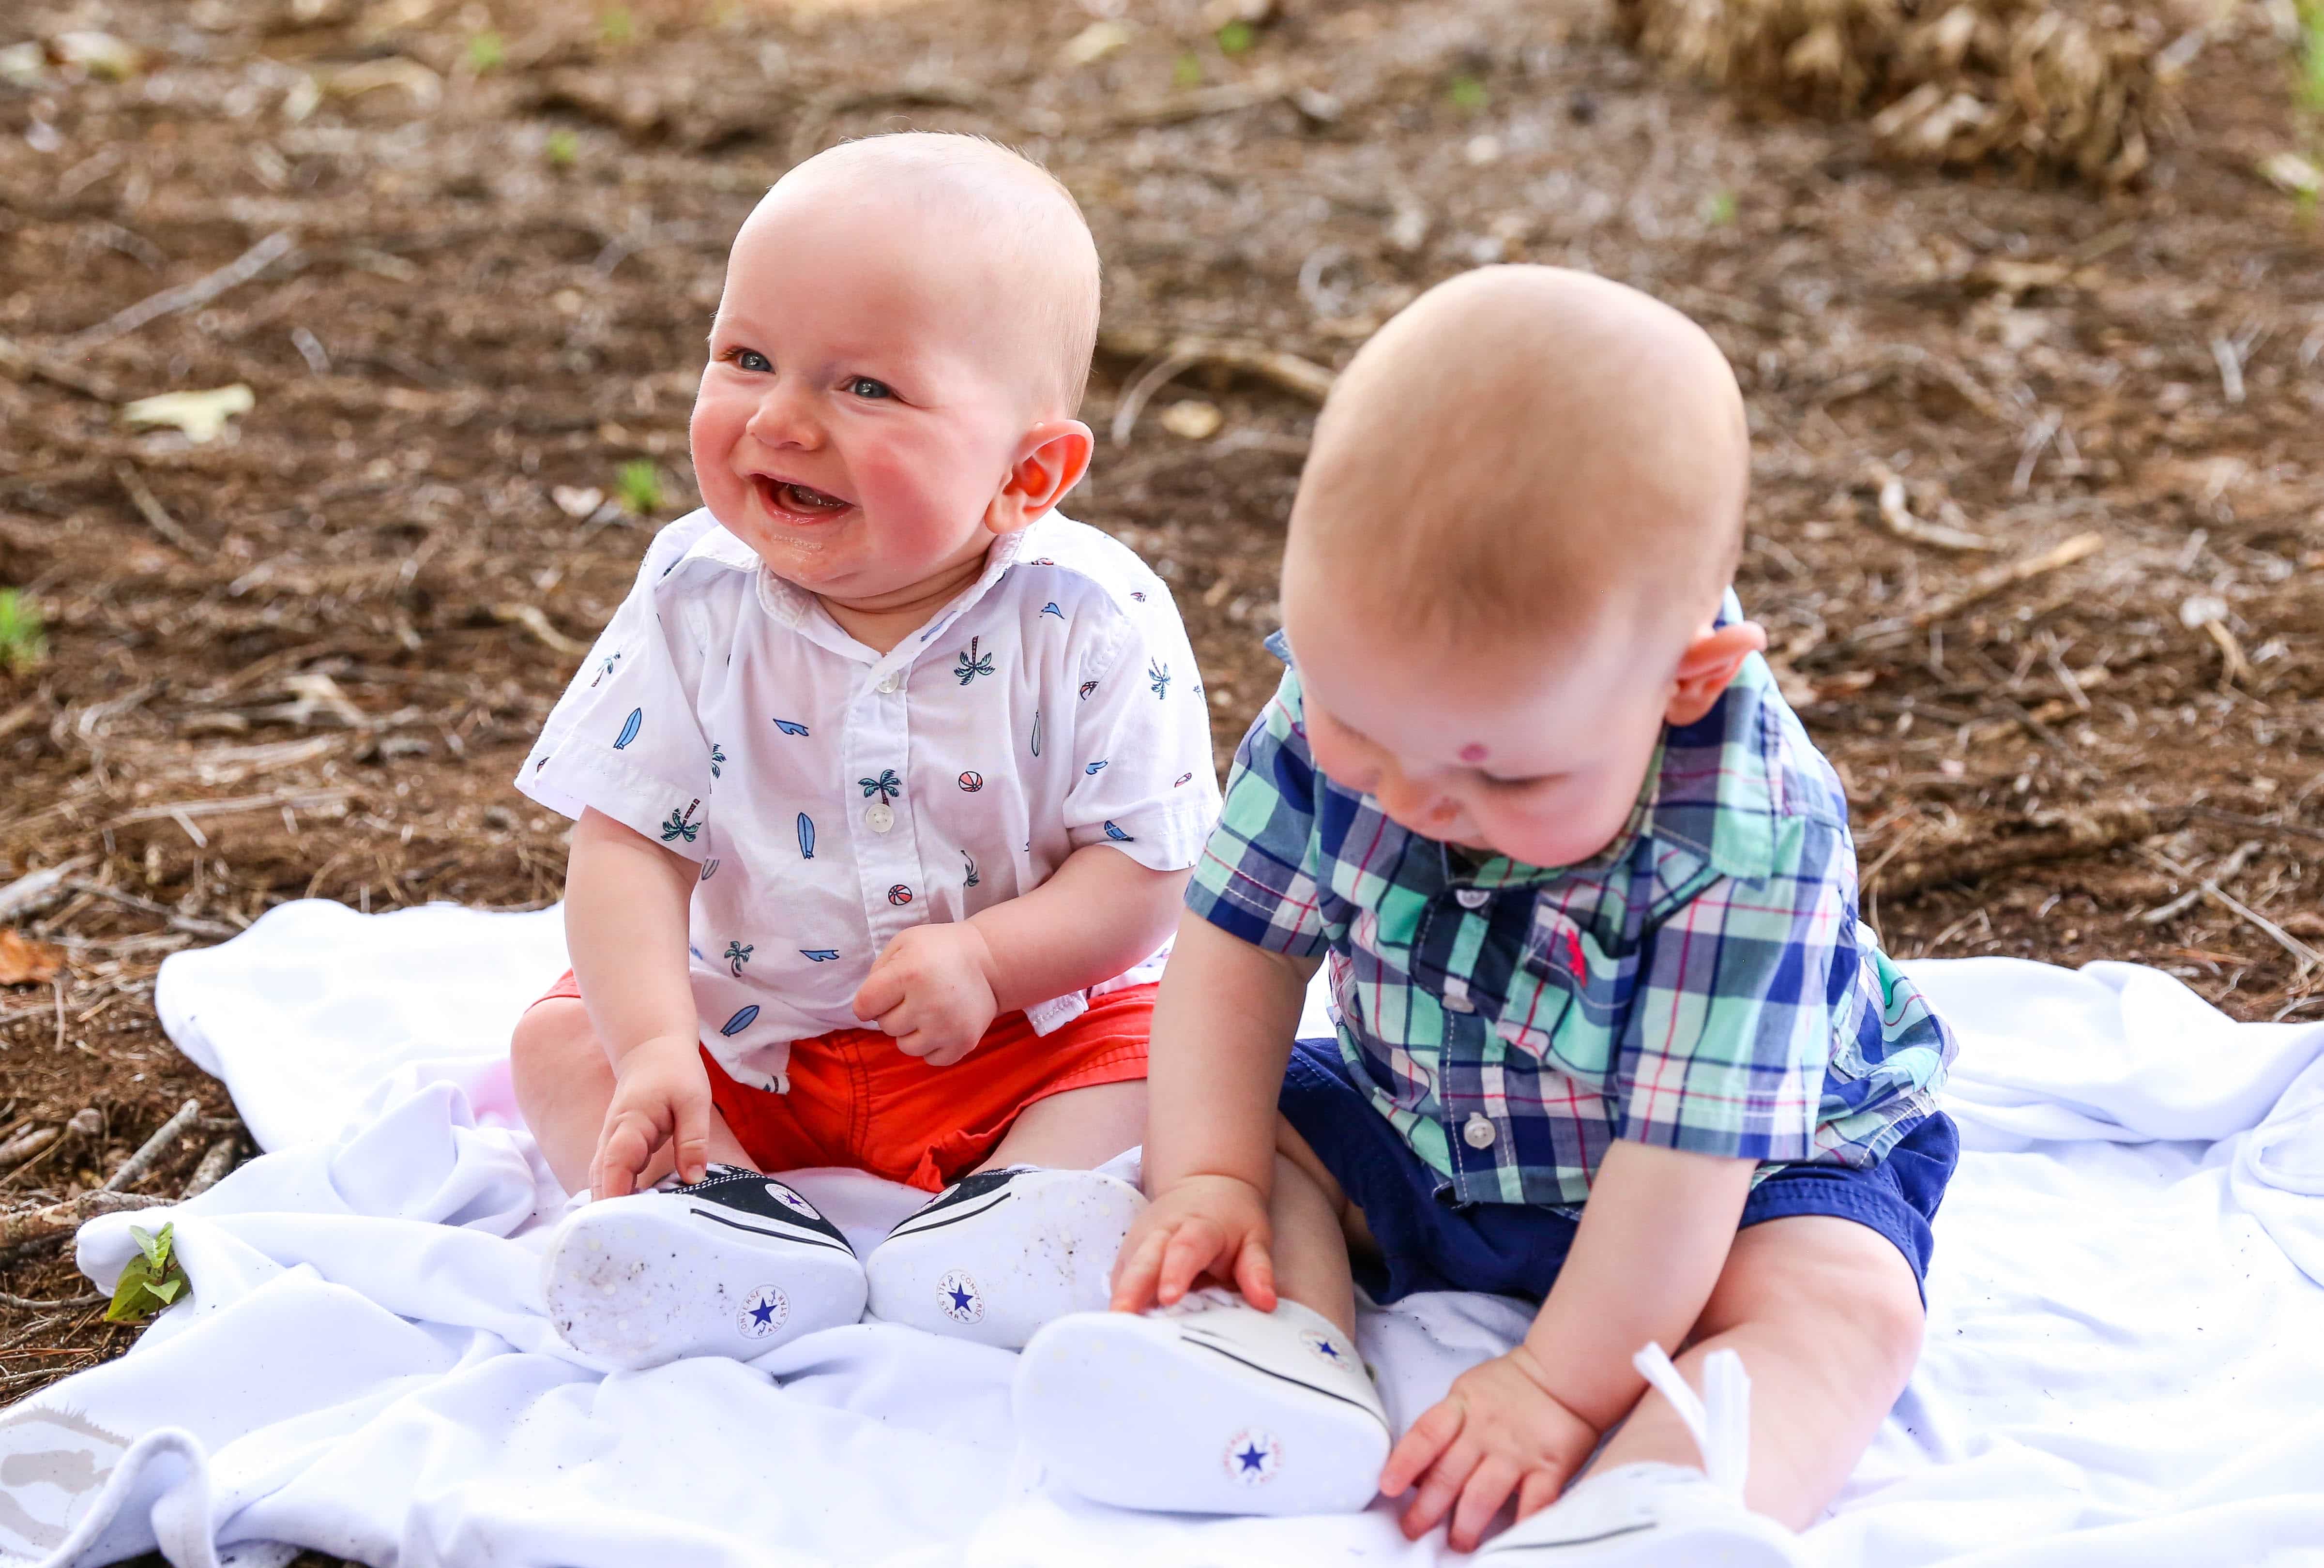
{"points": [[936, 988], [1653, 1238], [626, 924], [1222, 1029]]}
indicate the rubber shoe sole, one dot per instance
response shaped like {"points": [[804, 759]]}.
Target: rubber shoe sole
{"points": [[998, 1255], [640, 1280], [1126, 1410]]}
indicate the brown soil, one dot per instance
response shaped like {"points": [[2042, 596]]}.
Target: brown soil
{"points": [[348, 616]]}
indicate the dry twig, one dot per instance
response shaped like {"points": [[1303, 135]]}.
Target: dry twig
{"points": [[37, 890], [149, 507], [531, 618], [2307, 956], [26, 364], [215, 1166], [1986, 586], [1896, 516], [55, 1220], [1973, 850], [185, 297], [151, 1151], [1169, 357]]}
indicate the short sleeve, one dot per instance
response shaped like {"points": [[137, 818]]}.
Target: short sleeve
{"points": [[1256, 878], [1731, 1026], [627, 738], [1143, 779]]}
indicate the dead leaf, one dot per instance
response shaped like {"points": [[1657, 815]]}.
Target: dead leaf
{"points": [[24, 962], [1191, 419], [201, 415]]}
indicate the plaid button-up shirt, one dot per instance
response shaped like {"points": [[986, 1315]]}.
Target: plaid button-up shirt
{"points": [[1702, 984]]}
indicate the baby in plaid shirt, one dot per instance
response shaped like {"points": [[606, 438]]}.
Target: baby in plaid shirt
{"points": [[1609, 1035]]}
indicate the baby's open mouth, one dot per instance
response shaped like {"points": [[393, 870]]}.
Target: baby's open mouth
{"points": [[788, 498]]}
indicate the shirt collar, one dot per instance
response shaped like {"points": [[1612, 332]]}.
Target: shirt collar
{"points": [[793, 606]]}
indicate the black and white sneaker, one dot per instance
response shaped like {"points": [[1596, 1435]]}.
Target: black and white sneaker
{"points": [[996, 1255], [733, 1265]]}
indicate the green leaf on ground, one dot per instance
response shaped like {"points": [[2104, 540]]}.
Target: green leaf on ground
{"points": [[152, 1281]]}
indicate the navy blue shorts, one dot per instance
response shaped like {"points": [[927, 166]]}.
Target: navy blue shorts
{"points": [[1434, 1243]]}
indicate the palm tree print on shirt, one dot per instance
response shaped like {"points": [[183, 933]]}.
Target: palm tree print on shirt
{"points": [[970, 665], [887, 786], [737, 954], [1157, 674], [681, 825]]}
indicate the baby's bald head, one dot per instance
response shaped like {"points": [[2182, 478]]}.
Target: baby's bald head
{"points": [[1526, 449], [996, 221]]}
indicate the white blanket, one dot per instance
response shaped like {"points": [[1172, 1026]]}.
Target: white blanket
{"points": [[2122, 1363]]}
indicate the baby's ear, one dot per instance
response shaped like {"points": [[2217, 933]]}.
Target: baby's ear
{"points": [[1050, 461], [1709, 665]]}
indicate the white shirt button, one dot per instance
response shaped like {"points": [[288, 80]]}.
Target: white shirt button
{"points": [[1459, 1005], [1471, 898], [890, 681], [1476, 1132], [878, 816]]}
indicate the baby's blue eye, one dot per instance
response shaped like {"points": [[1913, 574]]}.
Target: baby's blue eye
{"points": [[751, 359], [863, 386]]}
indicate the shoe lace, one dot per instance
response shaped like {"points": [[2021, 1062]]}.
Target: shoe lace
{"points": [[1719, 1421]]}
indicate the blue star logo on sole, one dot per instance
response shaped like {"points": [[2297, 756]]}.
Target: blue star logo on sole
{"points": [[958, 1298], [789, 1199], [1253, 1457], [1325, 1348], [764, 1312]]}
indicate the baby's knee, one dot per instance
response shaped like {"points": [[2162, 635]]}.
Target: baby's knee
{"points": [[551, 1037], [1840, 1287]]}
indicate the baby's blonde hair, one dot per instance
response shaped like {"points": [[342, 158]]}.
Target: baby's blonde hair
{"points": [[1009, 201], [1528, 450]]}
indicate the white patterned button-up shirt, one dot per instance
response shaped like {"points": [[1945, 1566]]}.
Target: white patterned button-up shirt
{"points": [[833, 796]]}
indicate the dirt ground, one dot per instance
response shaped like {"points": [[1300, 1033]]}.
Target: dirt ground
{"points": [[305, 659]]}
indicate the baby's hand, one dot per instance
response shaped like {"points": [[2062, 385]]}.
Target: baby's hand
{"points": [[1213, 1225], [932, 990], [1499, 1429], [660, 1093]]}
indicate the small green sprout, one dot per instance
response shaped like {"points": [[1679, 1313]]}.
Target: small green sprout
{"points": [[1468, 93], [2311, 54], [485, 52], [639, 487], [1187, 72], [616, 25], [1236, 37], [562, 148], [23, 642], [152, 1281], [1719, 208]]}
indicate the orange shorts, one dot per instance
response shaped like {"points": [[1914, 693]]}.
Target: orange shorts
{"points": [[857, 1101]]}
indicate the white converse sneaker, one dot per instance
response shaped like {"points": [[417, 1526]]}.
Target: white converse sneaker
{"points": [[996, 1255], [1663, 1515], [733, 1265], [1210, 1406]]}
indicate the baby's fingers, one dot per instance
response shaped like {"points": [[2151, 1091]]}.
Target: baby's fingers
{"points": [[1194, 1248], [690, 1143], [628, 1143], [1422, 1442], [1489, 1485], [1254, 1274], [881, 991], [1538, 1492], [1136, 1271]]}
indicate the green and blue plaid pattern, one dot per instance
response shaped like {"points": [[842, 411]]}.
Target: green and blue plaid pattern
{"points": [[1702, 984]]}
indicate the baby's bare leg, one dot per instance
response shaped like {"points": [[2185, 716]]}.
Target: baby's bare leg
{"points": [[1079, 1129], [564, 1081], [1827, 1318]]}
